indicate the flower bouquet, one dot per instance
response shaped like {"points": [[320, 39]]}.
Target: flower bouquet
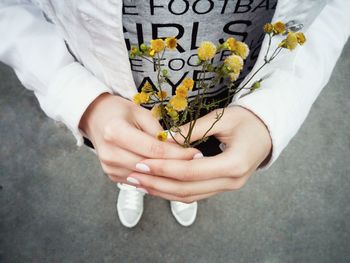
{"points": [[176, 110]]}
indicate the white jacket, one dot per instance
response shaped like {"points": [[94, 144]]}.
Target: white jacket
{"points": [[36, 50]]}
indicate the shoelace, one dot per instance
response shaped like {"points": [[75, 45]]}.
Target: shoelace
{"points": [[132, 197], [179, 206]]}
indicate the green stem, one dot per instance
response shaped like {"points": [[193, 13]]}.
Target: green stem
{"points": [[268, 48], [147, 59]]}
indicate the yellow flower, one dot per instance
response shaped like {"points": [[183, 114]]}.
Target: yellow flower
{"points": [[147, 87], [152, 52], [206, 50], [174, 115], [301, 38], [157, 45], [182, 91], [162, 136], [268, 28], [242, 49], [233, 76], [156, 112], [178, 103], [134, 50], [291, 41], [141, 98], [279, 28], [171, 42], [188, 83], [231, 43], [234, 63], [162, 94]]}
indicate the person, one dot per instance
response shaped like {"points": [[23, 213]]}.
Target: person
{"points": [[74, 56]]}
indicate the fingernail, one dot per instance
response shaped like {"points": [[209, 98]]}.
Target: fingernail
{"points": [[143, 167], [222, 146], [132, 180], [142, 190], [198, 156], [171, 134]]}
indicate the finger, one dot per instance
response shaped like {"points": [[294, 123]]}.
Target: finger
{"points": [[112, 158], [187, 200], [185, 189], [147, 122], [225, 164], [117, 179], [132, 139], [200, 129], [122, 180], [116, 171]]}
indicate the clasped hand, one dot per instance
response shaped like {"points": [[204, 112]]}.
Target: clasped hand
{"points": [[123, 135]]}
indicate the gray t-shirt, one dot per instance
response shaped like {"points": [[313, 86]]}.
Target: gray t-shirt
{"points": [[193, 21]]}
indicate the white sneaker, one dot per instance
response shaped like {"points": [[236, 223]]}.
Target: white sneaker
{"points": [[129, 205], [184, 213]]}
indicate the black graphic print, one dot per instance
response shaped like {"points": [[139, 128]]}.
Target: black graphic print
{"points": [[193, 21]]}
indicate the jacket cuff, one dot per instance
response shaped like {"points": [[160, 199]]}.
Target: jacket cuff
{"points": [[70, 93]]}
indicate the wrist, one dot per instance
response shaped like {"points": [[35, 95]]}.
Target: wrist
{"points": [[89, 116], [262, 131]]}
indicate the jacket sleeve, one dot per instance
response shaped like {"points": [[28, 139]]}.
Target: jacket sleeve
{"points": [[293, 81], [42, 62]]}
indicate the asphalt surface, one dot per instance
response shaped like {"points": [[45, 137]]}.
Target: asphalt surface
{"points": [[57, 206]]}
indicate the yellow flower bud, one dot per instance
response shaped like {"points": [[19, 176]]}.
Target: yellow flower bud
{"points": [[242, 49], [133, 50], [188, 83], [171, 42], [147, 87], [162, 136], [162, 94], [234, 63], [152, 52], [268, 28], [291, 41], [206, 50], [230, 43], [157, 45], [178, 103], [182, 91], [141, 98], [301, 38], [279, 28]]}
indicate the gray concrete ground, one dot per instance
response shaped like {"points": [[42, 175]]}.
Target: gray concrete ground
{"points": [[57, 206]]}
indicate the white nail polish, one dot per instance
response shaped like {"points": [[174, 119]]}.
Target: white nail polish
{"points": [[132, 180], [143, 167], [198, 156], [142, 190], [170, 135], [222, 146]]}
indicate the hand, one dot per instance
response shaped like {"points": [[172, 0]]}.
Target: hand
{"points": [[248, 144], [123, 134]]}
